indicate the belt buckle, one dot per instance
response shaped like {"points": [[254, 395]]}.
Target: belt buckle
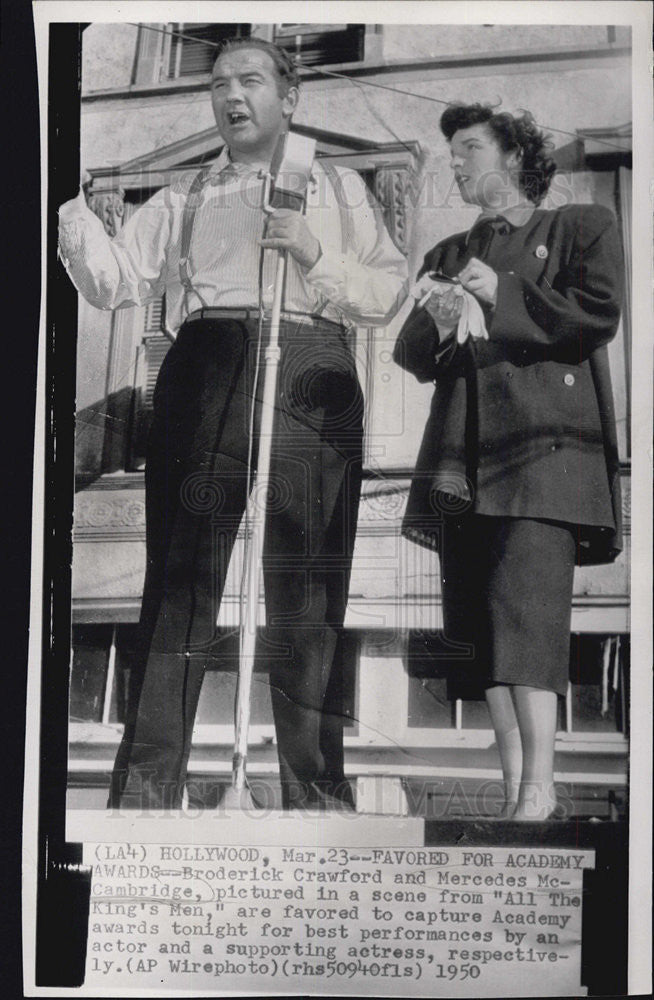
{"points": [[300, 318]]}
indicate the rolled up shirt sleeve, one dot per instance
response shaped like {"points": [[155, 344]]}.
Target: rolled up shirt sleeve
{"points": [[368, 281], [127, 270]]}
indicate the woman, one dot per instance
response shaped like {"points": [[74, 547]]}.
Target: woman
{"points": [[517, 476]]}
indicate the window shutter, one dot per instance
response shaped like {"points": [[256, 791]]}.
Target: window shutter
{"points": [[191, 58], [155, 350], [151, 45], [150, 355], [153, 316], [316, 44]]}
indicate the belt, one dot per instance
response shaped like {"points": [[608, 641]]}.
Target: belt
{"points": [[212, 312]]}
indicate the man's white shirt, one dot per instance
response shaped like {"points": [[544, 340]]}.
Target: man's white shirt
{"points": [[360, 277]]}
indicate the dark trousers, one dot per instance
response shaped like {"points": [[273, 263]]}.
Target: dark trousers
{"points": [[196, 492]]}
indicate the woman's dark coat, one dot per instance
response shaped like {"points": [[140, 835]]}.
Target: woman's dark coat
{"points": [[523, 424]]}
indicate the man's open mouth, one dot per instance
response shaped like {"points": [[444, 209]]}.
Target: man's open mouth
{"points": [[237, 117]]}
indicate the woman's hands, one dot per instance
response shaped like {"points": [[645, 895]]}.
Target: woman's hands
{"points": [[480, 280], [447, 303], [442, 301], [445, 308]]}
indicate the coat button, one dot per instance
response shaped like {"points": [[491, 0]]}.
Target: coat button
{"points": [[569, 379]]}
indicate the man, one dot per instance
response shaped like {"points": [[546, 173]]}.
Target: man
{"points": [[201, 243]]}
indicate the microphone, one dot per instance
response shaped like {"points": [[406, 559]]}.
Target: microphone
{"points": [[290, 172]]}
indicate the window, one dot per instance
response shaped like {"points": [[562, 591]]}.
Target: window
{"points": [[174, 50], [181, 49], [195, 52], [100, 677], [315, 44], [100, 672], [597, 700]]}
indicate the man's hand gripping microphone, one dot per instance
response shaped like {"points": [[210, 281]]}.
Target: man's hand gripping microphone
{"points": [[285, 200]]}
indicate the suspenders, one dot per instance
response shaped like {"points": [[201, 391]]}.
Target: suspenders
{"points": [[346, 220], [192, 204], [188, 219]]}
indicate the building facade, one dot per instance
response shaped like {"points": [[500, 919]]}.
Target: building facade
{"points": [[146, 116]]}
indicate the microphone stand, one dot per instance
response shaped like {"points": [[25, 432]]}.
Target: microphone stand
{"points": [[295, 154], [238, 795]]}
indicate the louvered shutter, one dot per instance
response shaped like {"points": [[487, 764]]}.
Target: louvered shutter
{"points": [[155, 346], [321, 44], [156, 349], [189, 57], [153, 316], [151, 353]]}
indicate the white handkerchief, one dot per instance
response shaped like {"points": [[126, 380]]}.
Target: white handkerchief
{"points": [[422, 289], [471, 321]]}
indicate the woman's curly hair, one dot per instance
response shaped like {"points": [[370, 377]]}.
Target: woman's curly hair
{"points": [[512, 133]]}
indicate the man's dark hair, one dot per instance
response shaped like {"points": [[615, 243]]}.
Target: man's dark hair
{"points": [[284, 65], [512, 133]]}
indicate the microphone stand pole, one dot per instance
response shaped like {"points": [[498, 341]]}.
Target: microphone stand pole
{"points": [[238, 795]]}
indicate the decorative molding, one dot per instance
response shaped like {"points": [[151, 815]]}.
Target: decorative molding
{"points": [[392, 185], [103, 513], [383, 506], [95, 514], [109, 206], [626, 504]]}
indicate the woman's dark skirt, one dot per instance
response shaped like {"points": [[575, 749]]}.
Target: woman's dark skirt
{"points": [[507, 597]]}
